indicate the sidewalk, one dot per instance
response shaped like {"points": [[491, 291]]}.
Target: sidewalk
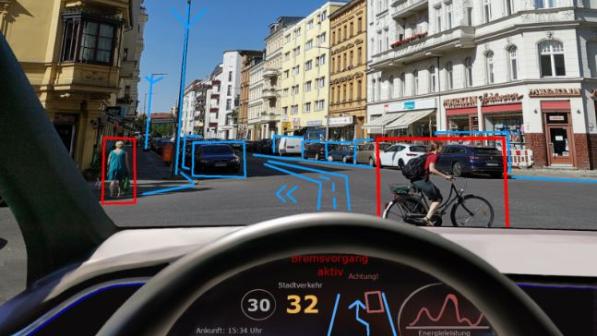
{"points": [[553, 172]]}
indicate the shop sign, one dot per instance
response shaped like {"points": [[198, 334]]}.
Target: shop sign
{"points": [[409, 105], [462, 102], [314, 123], [535, 93], [340, 121], [498, 99]]}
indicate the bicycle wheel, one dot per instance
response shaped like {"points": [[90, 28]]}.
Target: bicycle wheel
{"points": [[473, 211], [395, 212]]}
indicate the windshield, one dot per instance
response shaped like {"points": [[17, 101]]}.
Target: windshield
{"points": [[300, 97]]}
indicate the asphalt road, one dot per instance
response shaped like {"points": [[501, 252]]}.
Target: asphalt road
{"points": [[233, 202]]}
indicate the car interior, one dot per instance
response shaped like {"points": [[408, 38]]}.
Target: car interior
{"points": [[308, 274]]}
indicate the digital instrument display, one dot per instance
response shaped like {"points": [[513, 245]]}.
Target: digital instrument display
{"points": [[332, 295]]}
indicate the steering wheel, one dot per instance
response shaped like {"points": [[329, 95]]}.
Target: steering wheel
{"points": [[155, 308]]}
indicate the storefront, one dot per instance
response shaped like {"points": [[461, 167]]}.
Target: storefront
{"points": [[341, 128], [410, 117], [314, 130]]}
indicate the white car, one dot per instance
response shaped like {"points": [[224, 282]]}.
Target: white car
{"points": [[398, 155]]}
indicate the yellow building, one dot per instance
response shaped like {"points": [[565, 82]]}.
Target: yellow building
{"points": [[71, 52], [348, 81], [304, 84]]}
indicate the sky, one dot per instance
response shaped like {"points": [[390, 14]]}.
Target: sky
{"points": [[224, 25]]}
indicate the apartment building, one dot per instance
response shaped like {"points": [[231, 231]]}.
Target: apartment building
{"points": [[247, 94], [304, 84], [348, 79], [230, 100], [73, 54], [194, 107], [212, 105], [258, 125], [524, 67]]}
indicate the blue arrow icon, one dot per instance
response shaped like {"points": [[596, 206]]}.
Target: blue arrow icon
{"points": [[280, 196], [358, 305]]}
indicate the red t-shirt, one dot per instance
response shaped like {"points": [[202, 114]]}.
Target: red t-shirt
{"points": [[431, 158]]}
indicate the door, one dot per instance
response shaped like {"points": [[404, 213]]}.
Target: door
{"points": [[559, 145], [67, 133]]}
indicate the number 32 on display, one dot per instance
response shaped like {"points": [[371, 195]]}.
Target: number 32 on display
{"points": [[305, 305]]}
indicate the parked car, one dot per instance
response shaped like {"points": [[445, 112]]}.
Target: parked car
{"points": [[461, 159], [366, 152], [399, 155], [290, 146], [264, 146], [216, 158], [314, 151], [342, 153]]}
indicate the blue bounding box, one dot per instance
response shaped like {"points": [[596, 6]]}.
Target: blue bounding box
{"points": [[222, 142], [275, 137]]}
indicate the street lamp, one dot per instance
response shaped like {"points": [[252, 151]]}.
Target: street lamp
{"points": [[152, 79], [183, 72]]}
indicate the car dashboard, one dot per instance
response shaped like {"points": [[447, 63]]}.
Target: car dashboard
{"points": [[317, 294]]}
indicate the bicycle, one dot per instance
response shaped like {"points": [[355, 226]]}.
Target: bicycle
{"points": [[411, 206]]}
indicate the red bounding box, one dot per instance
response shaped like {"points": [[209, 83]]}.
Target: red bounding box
{"points": [[132, 201], [501, 139]]}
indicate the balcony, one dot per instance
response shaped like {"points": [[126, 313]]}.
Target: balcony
{"points": [[406, 8], [269, 93], [269, 73], [425, 47], [268, 116], [86, 77]]}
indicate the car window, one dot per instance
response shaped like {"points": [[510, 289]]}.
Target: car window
{"points": [[216, 150], [487, 151], [418, 149]]}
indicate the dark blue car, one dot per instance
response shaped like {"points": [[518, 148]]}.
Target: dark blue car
{"points": [[216, 158], [342, 153], [461, 160]]}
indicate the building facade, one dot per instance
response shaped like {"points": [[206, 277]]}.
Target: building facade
{"points": [[72, 53], [194, 107], [247, 94], [230, 100], [304, 85], [348, 79], [258, 125], [528, 68], [212, 106], [274, 56]]}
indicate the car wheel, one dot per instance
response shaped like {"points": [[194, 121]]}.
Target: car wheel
{"points": [[330, 158], [401, 164], [457, 169], [371, 162]]}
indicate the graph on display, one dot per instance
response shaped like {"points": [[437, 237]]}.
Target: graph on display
{"points": [[449, 316]]}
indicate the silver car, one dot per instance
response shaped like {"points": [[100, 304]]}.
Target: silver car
{"points": [[366, 152]]}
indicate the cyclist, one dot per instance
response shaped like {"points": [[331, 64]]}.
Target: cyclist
{"points": [[427, 187]]}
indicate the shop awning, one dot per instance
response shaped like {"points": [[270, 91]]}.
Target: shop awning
{"points": [[377, 125], [407, 119]]}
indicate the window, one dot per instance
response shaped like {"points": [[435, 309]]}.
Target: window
{"points": [[286, 73], [432, 79], [321, 60], [402, 85], [438, 18], [508, 7], [350, 58], [359, 55], [310, 25], [333, 65], [449, 75], [334, 37], [321, 39], [352, 29], [344, 96], [513, 62], [487, 10], [391, 87], [373, 83], [308, 86], [228, 104], [320, 105], [308, 65], [229, 91], [345, 32], [344, 63], [552, 59], [321, 82], [359, 24], [416, 82], [545, 4], [323, 16], [94, 43], [294, 109], [489, 67], [469, 16], [468, 72], [287, 56], [297, 51], [449, 14], [295, 90], [230, 76], [309, 45], [307, 107], [359, 89]]}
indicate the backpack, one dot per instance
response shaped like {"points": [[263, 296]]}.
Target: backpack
{"points": [[415, 168]]}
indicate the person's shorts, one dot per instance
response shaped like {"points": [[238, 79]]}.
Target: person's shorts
{"points": [[429, 189]]}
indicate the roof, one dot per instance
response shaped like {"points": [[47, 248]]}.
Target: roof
{"points": [[346, 7]]}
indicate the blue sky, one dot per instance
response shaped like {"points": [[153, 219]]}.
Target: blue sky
{"points": [[227, 24]]}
